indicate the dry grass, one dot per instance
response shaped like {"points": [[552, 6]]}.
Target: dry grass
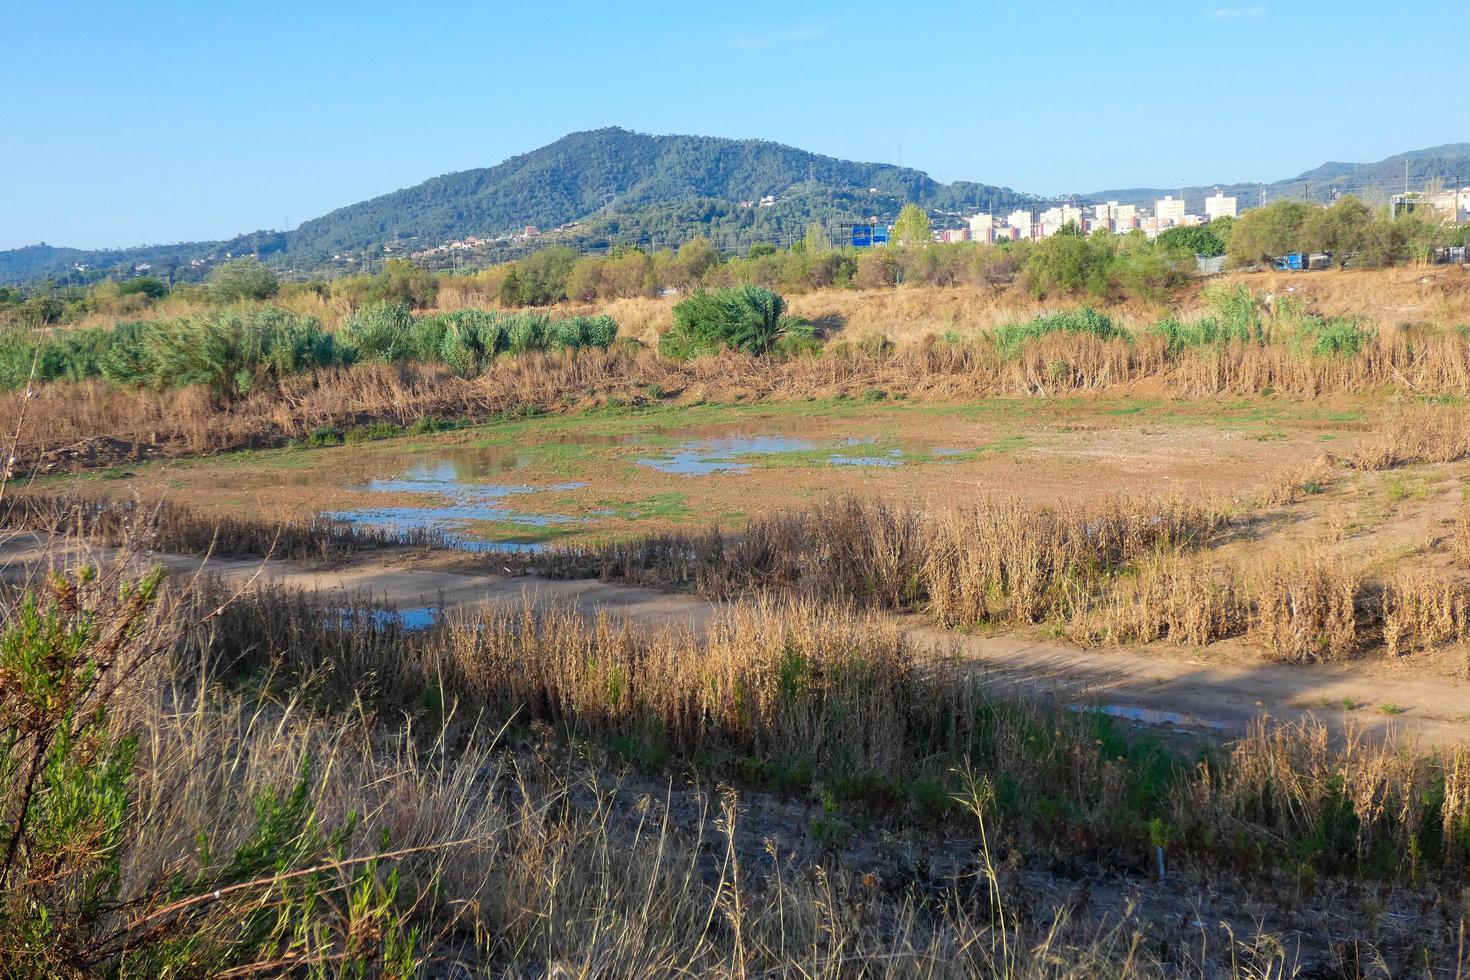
{"points": [[171, 527], [449, 758], [1460, 536], [1305, 606], [1189, 600], [91, 423], [1423, 609], [1417, 433]]}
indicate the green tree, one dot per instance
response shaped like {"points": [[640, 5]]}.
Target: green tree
{"points": [[912, 227], [402, 282], [1261, 234], [1197, 240], [1341, 229], [1069, 263], [240, 279], [542, 278], [148, 286], [817, 241]]}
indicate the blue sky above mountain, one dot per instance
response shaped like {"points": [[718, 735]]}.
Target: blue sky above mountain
{"points": [[170, 120]]}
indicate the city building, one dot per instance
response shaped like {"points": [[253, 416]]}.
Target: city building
{"points": [[1169, 212], [1115, 217], [982, 227], [1219, 206], [1021, 223], [1054, 219]]}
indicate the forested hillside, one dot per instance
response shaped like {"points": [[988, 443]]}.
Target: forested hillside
{"points": [[616, 187], [669, 186]]}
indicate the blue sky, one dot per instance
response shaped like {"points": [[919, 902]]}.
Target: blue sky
{"points": [[137, 122]]}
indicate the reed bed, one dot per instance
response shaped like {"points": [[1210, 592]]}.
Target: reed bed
{"points": [[262, 789], [1118, 572], [61, 415], [800, 695]]}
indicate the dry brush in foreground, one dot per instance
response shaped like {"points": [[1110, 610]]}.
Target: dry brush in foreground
{"points": [[245, 786]]}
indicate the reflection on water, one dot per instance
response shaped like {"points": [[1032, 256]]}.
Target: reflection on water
{"points": [[705, 456], [1151, 716], [450, 493], [458, 504], [415, 618]]}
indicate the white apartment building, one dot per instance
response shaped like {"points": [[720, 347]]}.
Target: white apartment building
{"points": [[1169, 212], [982, 227], [1021, 222], [1219, 206], [1055, 219], [1120, 218]]}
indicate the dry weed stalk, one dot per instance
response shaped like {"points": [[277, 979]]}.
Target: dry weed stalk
{"points": [[1423, 609], [1305, 606]]}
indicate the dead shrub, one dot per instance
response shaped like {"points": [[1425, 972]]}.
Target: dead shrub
{"points": [[1305, 606], [1423, 609]]}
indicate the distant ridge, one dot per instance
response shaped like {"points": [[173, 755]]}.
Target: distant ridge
{"points": [[617, 186], [1324, 183]]}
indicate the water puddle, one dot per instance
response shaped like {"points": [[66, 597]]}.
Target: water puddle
{"points": [[1150, 716], [457, 505], [468, 496], [722, 455], [416, 618], [894, 457], [736, 454]]}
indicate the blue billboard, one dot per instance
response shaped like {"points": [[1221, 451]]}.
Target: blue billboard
{"points": [[866, 236]]}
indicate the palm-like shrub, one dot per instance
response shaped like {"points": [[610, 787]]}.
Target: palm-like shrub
{"points": [[750, 319], [382, 332], [584, 331], [470, 340], [526, 332]]}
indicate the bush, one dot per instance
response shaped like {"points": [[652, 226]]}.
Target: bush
{"points": [[1012, 337], [584, 331], [242, 279], [383, 332], [526, 332], [750, 319], [470, 340], [231, 353]]}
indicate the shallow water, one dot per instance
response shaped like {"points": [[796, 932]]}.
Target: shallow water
{"points": [[1151, 716], [415, 618], [456, 506], [448, 492], [701, 457]]}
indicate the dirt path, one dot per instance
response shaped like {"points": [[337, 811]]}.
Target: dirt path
{"points": [[1213, 698]]}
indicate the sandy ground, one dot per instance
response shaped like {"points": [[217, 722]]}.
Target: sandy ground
{"points": [[1167, 688]]}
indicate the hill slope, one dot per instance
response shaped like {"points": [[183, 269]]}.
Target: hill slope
{"points": [[614, 171], [625, 187]]}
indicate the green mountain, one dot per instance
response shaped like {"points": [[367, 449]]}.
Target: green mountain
{"points": [[668, 186], [608, 187], [618, 185]]}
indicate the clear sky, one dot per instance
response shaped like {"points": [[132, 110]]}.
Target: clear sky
{"points": [[163, 120]]}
